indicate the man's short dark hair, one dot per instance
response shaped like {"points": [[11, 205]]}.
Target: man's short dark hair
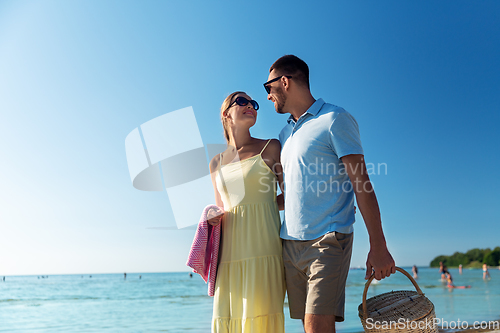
{"points": [[294, 66]]}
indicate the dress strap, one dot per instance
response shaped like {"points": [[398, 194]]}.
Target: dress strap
{"points": [[219, 173], [265, 146]]}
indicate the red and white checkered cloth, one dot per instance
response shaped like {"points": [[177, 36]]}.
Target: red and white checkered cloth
{"points": [[205, 250]]}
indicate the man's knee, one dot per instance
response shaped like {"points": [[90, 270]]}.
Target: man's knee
{"points": [[314, 323]]}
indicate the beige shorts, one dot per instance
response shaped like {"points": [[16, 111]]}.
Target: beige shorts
{"points": [[316, 273]]}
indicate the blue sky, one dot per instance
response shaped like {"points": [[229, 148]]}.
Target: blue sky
{"points": [[422, 78]]}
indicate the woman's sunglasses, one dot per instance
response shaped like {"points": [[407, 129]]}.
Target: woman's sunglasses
{"points": [[242, 101]]}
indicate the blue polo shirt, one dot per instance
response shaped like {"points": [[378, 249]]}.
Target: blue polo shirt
{"points": [[318, 193]]}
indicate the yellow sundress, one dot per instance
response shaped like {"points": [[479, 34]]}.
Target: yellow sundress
{"points": [[250, 285]]}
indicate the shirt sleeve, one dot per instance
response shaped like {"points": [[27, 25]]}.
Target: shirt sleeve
{"points": [[344, 135]]}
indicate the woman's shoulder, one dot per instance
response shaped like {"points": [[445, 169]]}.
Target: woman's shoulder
{"points": [[274, 145], [272, 149], [272, 142], [214, 163]]}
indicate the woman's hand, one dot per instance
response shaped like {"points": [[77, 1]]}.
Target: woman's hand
{"points": [[214, 216]]}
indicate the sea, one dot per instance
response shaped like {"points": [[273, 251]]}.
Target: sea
{"points": [[178, 302]]}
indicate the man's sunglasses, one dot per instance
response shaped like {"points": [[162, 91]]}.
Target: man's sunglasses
{"points": [[242, 101], [266, 85]]}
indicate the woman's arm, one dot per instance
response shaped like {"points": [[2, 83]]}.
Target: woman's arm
{"points": [[215, 217], [274, 150]]}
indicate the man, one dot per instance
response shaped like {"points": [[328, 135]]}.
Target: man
{"points": [[324, 169]]}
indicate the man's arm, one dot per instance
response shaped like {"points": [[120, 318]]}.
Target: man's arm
{"points": [[379, 259]]}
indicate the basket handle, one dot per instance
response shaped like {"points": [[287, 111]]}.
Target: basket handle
{"points": [[365, 310]]}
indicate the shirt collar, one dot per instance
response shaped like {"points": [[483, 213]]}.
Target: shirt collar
{"points": [[313, 109]]}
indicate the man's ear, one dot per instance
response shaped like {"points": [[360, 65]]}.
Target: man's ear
{"points": [[286, 83]]}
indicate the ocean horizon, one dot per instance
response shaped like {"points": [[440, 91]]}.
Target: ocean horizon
{"points": [[176, 302]]}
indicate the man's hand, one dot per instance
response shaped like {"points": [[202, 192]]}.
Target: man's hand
{"points": [[380, 262]]}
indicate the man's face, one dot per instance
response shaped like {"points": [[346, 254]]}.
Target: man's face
{"points": [[279, 100], [276, 94]]}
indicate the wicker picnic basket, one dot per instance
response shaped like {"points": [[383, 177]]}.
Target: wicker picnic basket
{"points": [[397, 311]]}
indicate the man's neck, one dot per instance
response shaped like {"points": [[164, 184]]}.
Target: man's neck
{"points": [[300, 106]]}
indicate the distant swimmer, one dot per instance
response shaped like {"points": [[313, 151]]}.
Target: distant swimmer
{"points": [[124, 276], [486, 274], [190, 275], [90, 276], [449, 279], [460, 269], [140, 277], [443, 273], [4, 279], [443, 270], [414, 269]]}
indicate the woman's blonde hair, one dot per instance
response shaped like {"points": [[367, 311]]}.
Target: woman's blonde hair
{"points": [[223, 108]]}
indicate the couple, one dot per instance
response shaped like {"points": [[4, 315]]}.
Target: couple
{"points": [[312, 249]]}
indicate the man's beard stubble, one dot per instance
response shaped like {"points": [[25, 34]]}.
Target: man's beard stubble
{"points": [[280, 101]]}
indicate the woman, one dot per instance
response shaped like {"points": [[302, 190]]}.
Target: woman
{"points": [[414, 269], [250, 287], [486, 274]]}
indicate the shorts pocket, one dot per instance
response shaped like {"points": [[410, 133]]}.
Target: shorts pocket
{"points": [[342, 239]]}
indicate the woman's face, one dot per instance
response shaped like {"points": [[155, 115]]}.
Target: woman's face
{"points": [[240, 115]]}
